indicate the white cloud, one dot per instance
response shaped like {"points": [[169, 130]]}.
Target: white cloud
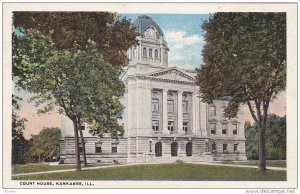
{"points": [[185, 51]]}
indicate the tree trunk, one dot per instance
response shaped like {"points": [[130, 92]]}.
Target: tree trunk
{"points": [[83, 148], [262, 149], [77, 155]]}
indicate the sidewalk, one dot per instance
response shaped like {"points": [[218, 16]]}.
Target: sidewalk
{"points": [[237, 165], [70, 170], [121, 165]]}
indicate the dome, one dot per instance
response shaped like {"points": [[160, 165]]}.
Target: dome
{"points": [[142, 23]]}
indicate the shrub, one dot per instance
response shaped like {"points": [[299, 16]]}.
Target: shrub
{"points": [[179, 162], [116, 162], [227, 161]]}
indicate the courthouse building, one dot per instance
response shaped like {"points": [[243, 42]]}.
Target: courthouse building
{"points": [[164, 118]]}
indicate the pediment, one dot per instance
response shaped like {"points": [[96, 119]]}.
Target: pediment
{"points": [[173, 74]]}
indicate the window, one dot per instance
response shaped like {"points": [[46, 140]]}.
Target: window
{"points": [[189, 149], [150, 146], [212, 111], [114, 148], [82, 127], [235, 148], [80, 148], [234, 129], [184, 107], [98, 148], [224, 129], [206, 146], [213, 147], [224, 148], [150, 53], [158, 149], [185, 126], [223, 111], [155, 125], [174, 149], [171, 106], [171, 125], [213, 128], [156, 54], [155, 105], [144, 52]]}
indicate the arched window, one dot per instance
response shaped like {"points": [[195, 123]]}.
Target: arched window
{"points": [[189, 149], [174, 149], [156, 54], [144, 52], [158, 149], [150, 53]]}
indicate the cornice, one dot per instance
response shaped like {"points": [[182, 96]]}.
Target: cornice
{"points": [[145, 77], [171, 70]]}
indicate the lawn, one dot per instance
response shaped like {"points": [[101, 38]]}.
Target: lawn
{"points": [[188, 172], [271, 163], [17, 169]]}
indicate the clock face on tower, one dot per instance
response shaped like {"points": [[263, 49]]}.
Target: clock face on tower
{"points": [[150, 33]]}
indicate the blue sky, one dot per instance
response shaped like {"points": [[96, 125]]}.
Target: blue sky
{"points": [[184, 35]]}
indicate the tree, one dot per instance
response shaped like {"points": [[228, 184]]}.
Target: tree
{"points": [[19, 143], [57, 56], [74, 31], [275, 139], [83, 85], [45, 145], [245, 59]]}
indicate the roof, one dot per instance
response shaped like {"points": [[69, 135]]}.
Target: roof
{"points": [[143, 22]]}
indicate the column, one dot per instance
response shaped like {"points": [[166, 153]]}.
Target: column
{"points": [[165, 112], [179, 113], [161, 55], [203, 119], [140, 50], [194, 118]]}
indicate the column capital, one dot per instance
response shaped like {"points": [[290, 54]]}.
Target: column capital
{"points": [[165, 111], [180, 91]]}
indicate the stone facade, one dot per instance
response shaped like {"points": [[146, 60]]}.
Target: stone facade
{"points": [[164, 118]]}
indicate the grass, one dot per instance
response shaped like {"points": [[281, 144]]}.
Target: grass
{"points": [[270, 163], [17, 169], [188, 172]]}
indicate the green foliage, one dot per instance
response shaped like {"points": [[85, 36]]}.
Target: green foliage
{"points": [[275, 139], [56, 55], [45, 146], [179, 162], [251, 135], [19, 144], [74, 31], [227, 161], [245, 58], [83, 85]]}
